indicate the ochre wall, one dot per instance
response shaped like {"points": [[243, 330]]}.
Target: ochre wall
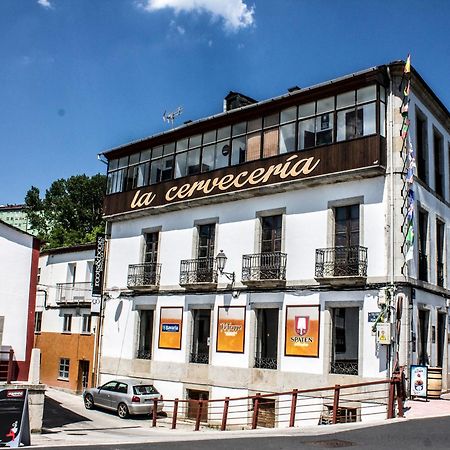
{"points": [[54, 346]]}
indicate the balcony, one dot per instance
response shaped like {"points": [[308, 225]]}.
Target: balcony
{"points": [[144, 276], [267, 269], [73, 293], [341, 264], [198, 273]]}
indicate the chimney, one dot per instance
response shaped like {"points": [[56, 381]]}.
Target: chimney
{"points": [[236, 100]]}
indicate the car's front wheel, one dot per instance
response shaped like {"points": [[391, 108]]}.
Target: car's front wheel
{"points": [[88, 401], [122, 411]]}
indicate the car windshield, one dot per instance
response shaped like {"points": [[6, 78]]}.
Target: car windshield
{"points": [[143, 389]]}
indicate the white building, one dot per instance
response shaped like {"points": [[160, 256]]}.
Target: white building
{"points": [[19, 255], [65, 329], [305, 195]]}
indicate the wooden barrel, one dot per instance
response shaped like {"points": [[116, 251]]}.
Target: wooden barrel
{"points": [[434, 382]]}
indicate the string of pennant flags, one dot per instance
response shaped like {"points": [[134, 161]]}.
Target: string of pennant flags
{"points": [[409, 167]]}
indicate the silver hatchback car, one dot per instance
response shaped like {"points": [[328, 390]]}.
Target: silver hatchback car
{"points": [[124, 396]]}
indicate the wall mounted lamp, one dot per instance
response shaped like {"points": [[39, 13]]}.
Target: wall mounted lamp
{"points": [[221, 259]]}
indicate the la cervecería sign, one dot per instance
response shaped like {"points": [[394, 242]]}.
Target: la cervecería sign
{"points": [[269, 171]]}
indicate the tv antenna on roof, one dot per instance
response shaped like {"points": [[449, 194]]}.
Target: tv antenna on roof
{"points": [[171, 116]]}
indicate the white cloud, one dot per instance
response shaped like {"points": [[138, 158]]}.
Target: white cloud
{"points": [[45, 3], [235, 13]]}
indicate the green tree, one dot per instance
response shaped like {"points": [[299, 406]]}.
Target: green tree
{"points": [[71, 211]]}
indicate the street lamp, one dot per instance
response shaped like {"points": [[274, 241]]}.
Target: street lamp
{"points": [[221, 259]]}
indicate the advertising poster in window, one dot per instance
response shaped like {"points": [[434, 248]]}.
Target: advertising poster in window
{"points": [[170, 327], [419, 381], [230, 329], [302, 331]]}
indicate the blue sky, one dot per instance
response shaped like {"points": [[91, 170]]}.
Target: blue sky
{"points": [[81, 76]]}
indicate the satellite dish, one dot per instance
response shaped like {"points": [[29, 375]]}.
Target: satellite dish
{"points": [[114, 292]]}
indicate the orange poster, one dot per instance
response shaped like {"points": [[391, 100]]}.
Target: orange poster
{"points": [[170, 327], [230, 329], [302, 331]]}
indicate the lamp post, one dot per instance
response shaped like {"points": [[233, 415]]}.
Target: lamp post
{"points": [[221, 259]]}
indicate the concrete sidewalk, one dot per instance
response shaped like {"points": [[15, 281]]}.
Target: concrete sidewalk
{"points": [[66, 421]]}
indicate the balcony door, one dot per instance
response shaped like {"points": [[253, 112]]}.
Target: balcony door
{"points": [[150, 258], [205, 252], [271, 235], [346, 240]]}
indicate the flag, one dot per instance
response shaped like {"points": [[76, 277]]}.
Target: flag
{"points": [[410, 176], [407, 68], [410, 253], [410, 235], [410, 213], [404, 109], [407, 89], [410, 195], [405, 127]]}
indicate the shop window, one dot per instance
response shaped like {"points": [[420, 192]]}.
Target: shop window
{"points": [[345, 341], [266, 349], [201, 325], [440, 241], [64, 365], [145, 338]]}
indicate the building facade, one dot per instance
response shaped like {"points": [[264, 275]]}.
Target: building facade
{"points": [[16, 216], [18, 271], [64, 328], [303, 198]]}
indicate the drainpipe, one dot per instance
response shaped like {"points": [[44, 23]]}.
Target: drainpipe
{"points": [[45, 296], [391, 207]]}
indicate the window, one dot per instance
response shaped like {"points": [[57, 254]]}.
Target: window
{"points": [[145, 338], [423, 237], [266, 338], [64, 364], [316, 123], [37, 321], [151, 247], [86, 325], [67, 326], [439, 176], [346, 240], [345, 341], [205, 252], [440, 239], [201, 325], [421, 146], [321, 122], [356, 114]]}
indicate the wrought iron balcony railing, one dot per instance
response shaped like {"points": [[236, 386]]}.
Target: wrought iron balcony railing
{"points": [[264, 266], [143, 275], [344, 367], [74, 293], [341, 262], [198, 271], [143, 354], [199, 358], [265, 362]]}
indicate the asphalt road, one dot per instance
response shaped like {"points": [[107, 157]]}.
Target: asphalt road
{"points": [[410, 434]]}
